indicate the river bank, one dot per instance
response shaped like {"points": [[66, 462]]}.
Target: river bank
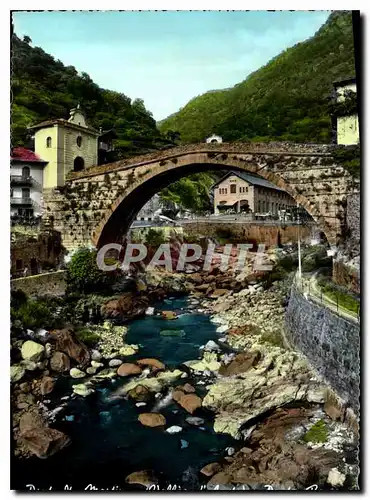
{"points": [[265, 414]]}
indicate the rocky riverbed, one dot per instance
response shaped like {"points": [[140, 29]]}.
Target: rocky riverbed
{"points": [[271, 420]]}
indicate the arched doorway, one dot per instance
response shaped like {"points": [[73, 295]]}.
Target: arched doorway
{"points": [[78, 164]]}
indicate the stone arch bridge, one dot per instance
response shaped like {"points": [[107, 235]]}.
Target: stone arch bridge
{"points": [[97, 206]]}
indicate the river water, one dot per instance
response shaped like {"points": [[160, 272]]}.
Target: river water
{"points": [[108, 441]]}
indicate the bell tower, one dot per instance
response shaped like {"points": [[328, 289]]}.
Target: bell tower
{"points": [[67, 145]]}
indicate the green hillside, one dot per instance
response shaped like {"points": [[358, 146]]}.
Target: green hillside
{"points": [[44, 88], [285, 100]]}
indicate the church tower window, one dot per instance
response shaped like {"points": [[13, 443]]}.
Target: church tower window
{"points": [[48, 142]]}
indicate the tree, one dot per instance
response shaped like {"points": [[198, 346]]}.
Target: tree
{"points": [[27, 39]]}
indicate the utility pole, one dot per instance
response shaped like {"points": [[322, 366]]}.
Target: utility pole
{"points": [[299, 247]]}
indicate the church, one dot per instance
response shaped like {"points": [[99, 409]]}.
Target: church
{"points": [[60, 146]]}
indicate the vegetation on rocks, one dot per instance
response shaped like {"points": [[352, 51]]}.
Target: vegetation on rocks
{"points": [[287, 99], [317, 434]]}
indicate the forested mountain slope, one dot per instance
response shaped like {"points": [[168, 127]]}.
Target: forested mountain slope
{"points": [[287, 99]]}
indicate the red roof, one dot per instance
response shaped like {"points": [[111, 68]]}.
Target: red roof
{"points": [[23, 154]]}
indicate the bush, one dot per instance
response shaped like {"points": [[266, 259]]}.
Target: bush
{"points": [[84, 274], [154, 238], [32, 314]]}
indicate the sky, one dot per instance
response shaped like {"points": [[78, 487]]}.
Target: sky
{"points": [[166, 58]]}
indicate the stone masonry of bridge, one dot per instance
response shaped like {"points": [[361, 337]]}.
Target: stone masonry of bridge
{"points": [[97, 206]]}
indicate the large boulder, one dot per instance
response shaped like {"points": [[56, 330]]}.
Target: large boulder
{"points": [[66, 341], [190, 402], [127, 369], [38, 438], [154, 364], [209, 362], [32, 351], [152, 419], [59, 362], [140, 393], [241, 363], [127, 306]]}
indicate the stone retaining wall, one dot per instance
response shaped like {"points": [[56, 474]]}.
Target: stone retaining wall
{"points": [[51, 284], [269, 235], [330, 342]]}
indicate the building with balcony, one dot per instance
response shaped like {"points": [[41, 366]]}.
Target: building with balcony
{"points": [[26, 183], [106, 146], [242, 192]]}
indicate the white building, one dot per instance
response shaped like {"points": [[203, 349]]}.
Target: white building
{"points": [[26, 183], [214, 138]]}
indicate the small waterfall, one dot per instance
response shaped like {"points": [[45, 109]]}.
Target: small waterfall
{"points": [[163, 402]]}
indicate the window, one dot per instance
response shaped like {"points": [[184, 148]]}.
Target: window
{"points": [[48, 142], [26, 192], [233, 188], [26, 172], [220, 191], [19, 264], [79, 141], [259, 206]]}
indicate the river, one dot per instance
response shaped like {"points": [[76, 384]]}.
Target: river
{"points": [[108, 441]]}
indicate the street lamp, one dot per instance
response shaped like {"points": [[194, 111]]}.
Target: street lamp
{"points": [[299, 246]]}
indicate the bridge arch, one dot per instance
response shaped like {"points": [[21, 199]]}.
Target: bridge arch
{"points": [[97, 205], [124, 210]]}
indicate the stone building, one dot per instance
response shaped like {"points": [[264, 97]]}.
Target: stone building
{"points": [[65, 145], [34, 253], [240, 191], [345, 117], [26, 182]]}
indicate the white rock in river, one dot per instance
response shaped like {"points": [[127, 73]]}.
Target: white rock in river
{"points": [[96, 364], [115, 362], [149, 311], [76, 373], [217, 320], [222, 329], [335, 478], [174, 429], [91, 370], [230, 451], [82, 390], [95, 355], [128, 350], [32, 351], [212, 346], [140, 404]]}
